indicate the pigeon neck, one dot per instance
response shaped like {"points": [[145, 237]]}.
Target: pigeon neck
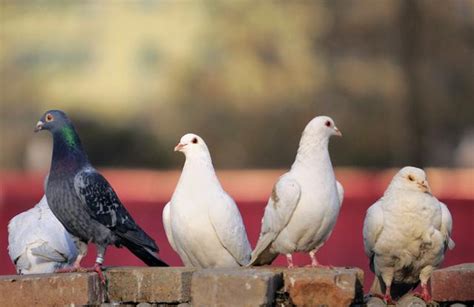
{"points": [[312, 151], [67, 150], [199, 164]]}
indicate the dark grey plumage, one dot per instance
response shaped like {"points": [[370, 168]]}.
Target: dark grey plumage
{"points": [[83, 200]]}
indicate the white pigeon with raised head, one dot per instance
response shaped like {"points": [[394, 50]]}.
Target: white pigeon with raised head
{"points": [[406, 234], [38, 242], [202, 222], [305, 202]]}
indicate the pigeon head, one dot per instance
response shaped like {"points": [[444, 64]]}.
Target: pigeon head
{"points": [[53, 120], [61, 127], [322, 126], [411, 178], [191, 143]]}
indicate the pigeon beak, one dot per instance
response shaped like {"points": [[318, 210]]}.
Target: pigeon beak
{"points": [[424, 186], [39, 126], [179, 147], [337, 131]]}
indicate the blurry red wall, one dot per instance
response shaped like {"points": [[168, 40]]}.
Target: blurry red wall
{"points": [[144, 193]]}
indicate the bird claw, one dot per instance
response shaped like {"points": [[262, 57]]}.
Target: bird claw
{"points": [[97, 268], [385, 297]]}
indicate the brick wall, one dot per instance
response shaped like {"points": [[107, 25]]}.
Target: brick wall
{"points": [[264, 286]]}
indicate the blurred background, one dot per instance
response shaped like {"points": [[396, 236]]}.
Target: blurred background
{"points": [[134, 76]]}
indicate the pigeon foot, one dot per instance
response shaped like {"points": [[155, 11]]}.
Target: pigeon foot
{"points": [[424, 295], [387, 298], [97, 268]]}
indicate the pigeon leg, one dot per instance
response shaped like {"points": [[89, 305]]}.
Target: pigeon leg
{"points": [[424, 276], [289, 259], [388, 297], [98, 262], [387, 277], [315, 263], [425, 294]]}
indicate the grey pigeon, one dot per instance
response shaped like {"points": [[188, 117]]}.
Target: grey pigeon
{"points": [[406, 234], [38, 242], [83, 200], [305, 202]]}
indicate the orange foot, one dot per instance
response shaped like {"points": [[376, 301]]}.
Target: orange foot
{"points": [[96, 268]]}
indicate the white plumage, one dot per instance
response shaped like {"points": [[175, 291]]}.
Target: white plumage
{"points": [[406, 234], [38, 242], [305, 202], [202, 222]]}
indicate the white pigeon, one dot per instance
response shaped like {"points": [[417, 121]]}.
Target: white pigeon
{"points": [[305, 202], [38, 242], [406, 234], [202, 222]]}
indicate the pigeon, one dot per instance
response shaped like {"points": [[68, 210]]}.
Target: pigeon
{"points": [[305, 201], [406, 234], [38, 242], [202, 222], [84, 202]]}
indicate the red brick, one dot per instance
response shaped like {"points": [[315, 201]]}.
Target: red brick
{"points": [[151, 285], [331, 287], [453, 284], [51, 290], [234, 287]]}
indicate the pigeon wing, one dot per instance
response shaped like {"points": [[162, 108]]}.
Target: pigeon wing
{"points": [[446, 226], [48, 253], [167, 225], [105, 207], [281, 205], [373, 226], [229, 227], [340, 192]]}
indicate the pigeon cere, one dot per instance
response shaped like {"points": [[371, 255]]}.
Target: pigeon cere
{"points": [[406, 233]]}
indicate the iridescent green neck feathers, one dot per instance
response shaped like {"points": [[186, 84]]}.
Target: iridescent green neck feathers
{"points": [[69, 136]]}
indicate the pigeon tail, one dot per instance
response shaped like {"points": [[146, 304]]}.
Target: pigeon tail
{"points": [[263, 256], [145, 254]]}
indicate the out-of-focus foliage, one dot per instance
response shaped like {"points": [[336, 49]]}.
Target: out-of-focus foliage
{"points": [[397, 77]]}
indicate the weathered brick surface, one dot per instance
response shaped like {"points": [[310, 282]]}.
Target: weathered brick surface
{"points": [[409, 300], [51, 290], [234, 287], [455, 283], [152, 285], [331, 287]]}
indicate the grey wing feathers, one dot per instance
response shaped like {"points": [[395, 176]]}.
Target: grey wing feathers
{"points": [[281, 205], [105, 207]]}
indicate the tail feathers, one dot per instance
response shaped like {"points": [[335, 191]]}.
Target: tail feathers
{"points": [[262, 254], [146, 255], [139, 237]]}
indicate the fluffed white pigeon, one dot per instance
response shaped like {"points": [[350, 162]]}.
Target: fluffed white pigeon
{"points": [[202, 222], [406, 234], [305, 202], [38, 242]]}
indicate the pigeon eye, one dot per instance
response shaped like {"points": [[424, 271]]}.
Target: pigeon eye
{"points": [[49, 117], [194, 141], [411, 178], [328, 124]]}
